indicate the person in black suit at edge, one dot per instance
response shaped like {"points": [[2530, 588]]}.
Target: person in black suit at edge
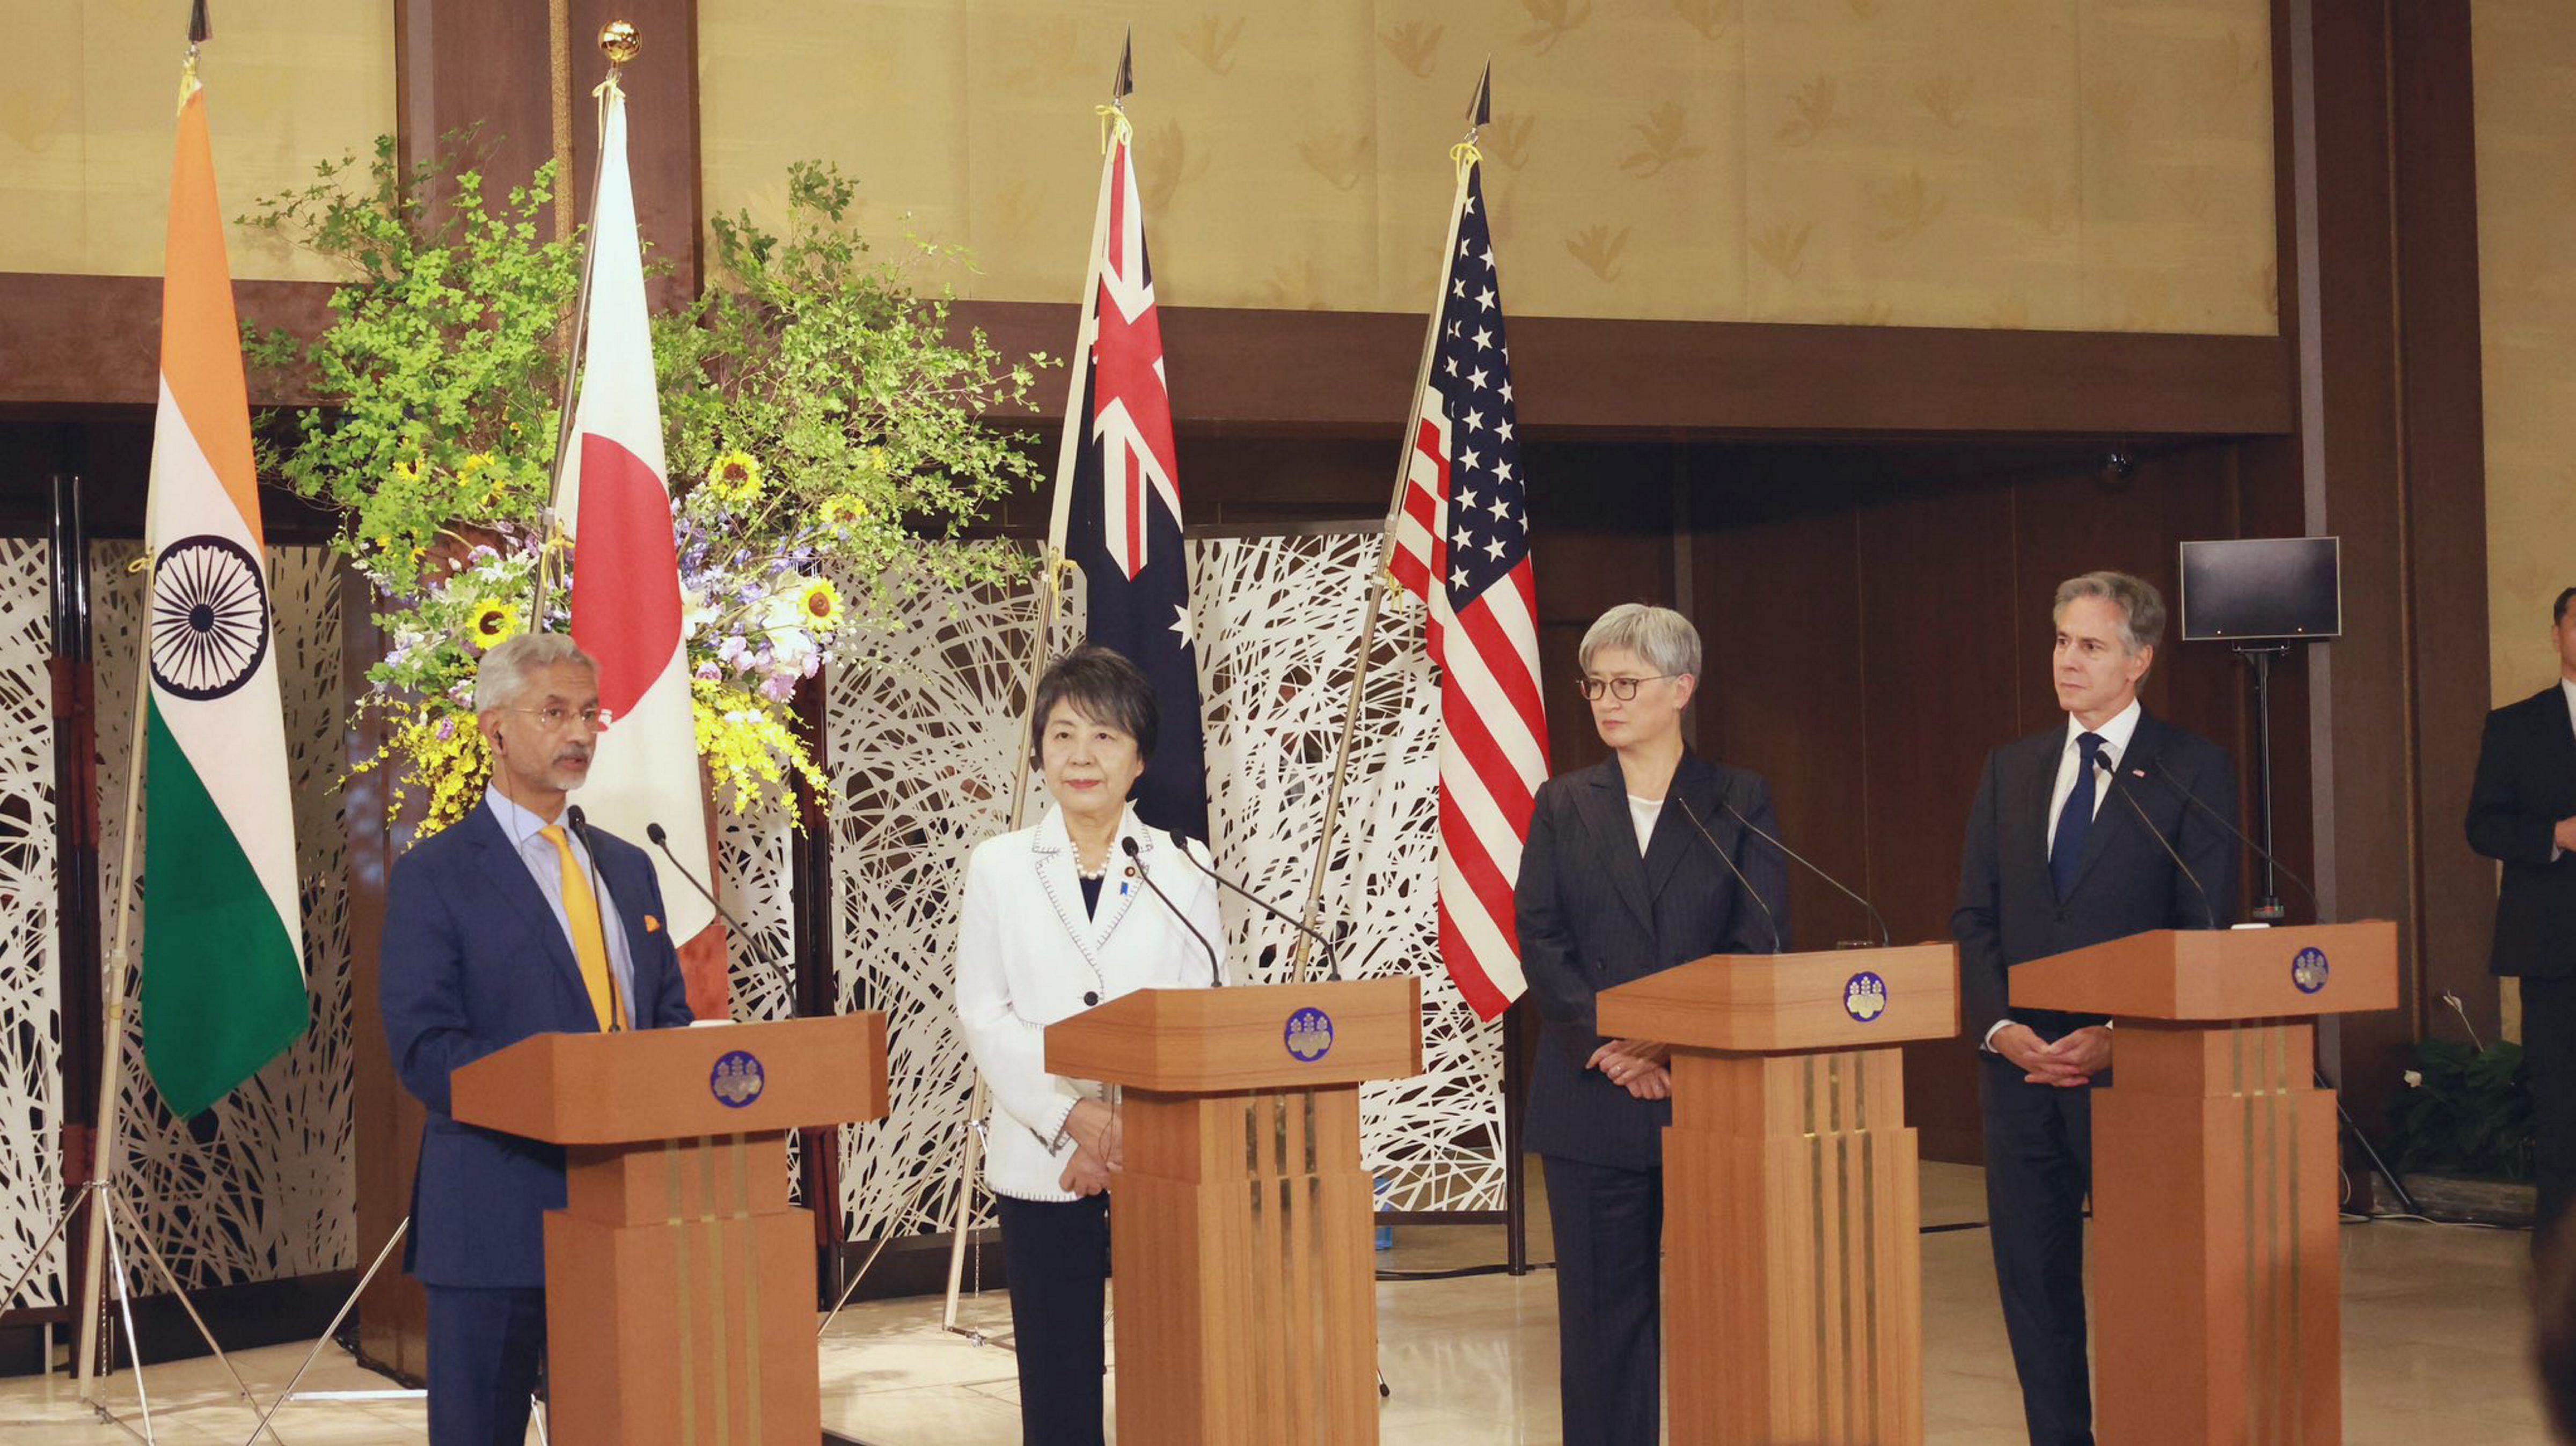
{"points": [[2054, 862], [2522, 812], [1620, 879]]}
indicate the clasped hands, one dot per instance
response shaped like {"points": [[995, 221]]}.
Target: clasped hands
{"points": [[1637, 1066], [2068, 1064], [1098, 1149]]}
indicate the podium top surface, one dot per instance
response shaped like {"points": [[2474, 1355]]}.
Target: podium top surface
{"points": [[2216, 975], [1791, 1003], [661, 1084], [1245, 1037]]}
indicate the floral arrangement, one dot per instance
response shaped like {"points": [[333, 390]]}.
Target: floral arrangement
{"points": [[821, 424]]}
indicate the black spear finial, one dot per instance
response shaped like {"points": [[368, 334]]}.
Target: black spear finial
{"points": [[1480, 111], [1125, 85], [199, 30]]}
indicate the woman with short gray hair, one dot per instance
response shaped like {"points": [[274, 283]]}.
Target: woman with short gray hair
{"points": [[1632, 866]]}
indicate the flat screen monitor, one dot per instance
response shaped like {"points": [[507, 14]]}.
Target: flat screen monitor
{"points": [[2262, 589]]}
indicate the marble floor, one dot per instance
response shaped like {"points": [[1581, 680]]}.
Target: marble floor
{"points": [[2435, 1333]]}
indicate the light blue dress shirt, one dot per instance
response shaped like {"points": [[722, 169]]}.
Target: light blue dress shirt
{"points": [[546, 867]]}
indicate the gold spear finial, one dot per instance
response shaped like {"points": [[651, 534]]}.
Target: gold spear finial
{"points": [[618, 41]]}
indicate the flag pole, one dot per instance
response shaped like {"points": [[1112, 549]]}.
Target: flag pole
{"points": [[1479, 112], [1051, 570], [618, 40], [120, 974]]}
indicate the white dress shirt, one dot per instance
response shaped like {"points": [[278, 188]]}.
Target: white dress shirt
{"points": [[546, 867], [2116, 733], [1642, 812], [1027, 955]]}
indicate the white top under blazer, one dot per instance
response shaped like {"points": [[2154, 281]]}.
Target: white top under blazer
{"points": [[1026, 956]]}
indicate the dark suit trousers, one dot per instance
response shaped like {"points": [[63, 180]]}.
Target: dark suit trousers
{"points": [[1057, 1256], [2549, 1060], [2039, 1164], [487, 1347], [1609, 1228]]}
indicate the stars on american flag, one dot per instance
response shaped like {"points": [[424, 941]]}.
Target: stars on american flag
{"points": [[1487, 524]]}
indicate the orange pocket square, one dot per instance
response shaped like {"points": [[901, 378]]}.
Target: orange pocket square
{"points": [[652, 925]]}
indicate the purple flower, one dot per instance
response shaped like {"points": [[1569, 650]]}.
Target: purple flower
{"points": [[709, 671], [778, 688]]}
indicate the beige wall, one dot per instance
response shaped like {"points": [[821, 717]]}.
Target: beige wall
{"points": [[2525, 55], [2044, 163], [87, 96]]}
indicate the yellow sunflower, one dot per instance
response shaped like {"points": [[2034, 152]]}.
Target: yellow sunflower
{"points": [[843, 511], [735, 477], [491, 623], [818, 605]]}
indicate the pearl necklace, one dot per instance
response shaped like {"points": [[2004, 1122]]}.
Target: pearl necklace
{"points": [[1092, 876]]}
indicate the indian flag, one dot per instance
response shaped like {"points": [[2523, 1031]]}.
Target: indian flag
{"points": [[223, 952]]}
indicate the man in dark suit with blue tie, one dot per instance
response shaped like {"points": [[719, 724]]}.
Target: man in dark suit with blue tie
{"points": [[516, 921], [2079, 835]]}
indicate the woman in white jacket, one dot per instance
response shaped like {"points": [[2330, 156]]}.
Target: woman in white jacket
{"points": [[1056, 919]]}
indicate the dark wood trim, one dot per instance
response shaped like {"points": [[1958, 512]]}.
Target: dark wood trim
{"points": [[89, 340]]}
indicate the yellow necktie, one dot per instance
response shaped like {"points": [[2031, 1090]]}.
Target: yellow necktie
{"points": [[589, 942]]}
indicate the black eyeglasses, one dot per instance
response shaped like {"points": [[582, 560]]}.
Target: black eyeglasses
{"points": [[1623, 689], [555, 715]]}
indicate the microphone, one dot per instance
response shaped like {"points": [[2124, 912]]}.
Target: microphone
{"points": [[1722, 857], [581, 830], [2165, 776], [662, 841], [2206, 910], [1216, 975], [1332, 962], [1749, 827]]}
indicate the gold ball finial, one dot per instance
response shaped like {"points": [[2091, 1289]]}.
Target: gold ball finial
{"points": [[617, 40]]}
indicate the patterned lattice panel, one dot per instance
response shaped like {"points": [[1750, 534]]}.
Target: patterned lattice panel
{"points": [[261, 1186], [923, 750], [922, 753], [756, 881], [1277, 621], [31, 1176]]}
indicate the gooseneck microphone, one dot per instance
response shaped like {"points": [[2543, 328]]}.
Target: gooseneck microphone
{"points": [[662, 841], [581, 830], [1723, 857], [1750, 827], [2165, 776], [2207, 911], [1332, 961], [1216, 974]]}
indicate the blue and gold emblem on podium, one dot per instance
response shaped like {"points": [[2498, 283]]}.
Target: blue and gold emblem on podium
{"points": [[2308, 970], [1864, 996], [1309, 1034], [736, 1080]]}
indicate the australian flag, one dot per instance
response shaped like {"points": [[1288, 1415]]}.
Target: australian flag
{"points": [[1123, 526]]}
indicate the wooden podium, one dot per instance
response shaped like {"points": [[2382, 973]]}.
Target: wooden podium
{"points": [[1240, 1223], [2217, 1282], [1793, 1281], [680, 1284]]}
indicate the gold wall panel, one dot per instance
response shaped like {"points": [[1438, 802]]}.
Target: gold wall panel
{"points": [[88, 105], [2046, 163], [2524, 54]]}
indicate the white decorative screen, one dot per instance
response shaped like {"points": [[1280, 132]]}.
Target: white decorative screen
{"points": [[31, 1022], [922, 747], [262, 1186]]}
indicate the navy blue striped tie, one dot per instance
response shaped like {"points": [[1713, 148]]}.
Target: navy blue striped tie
{"points": [[2075, 820]]}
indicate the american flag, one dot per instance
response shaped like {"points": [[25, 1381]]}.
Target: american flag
{"points": [[1123, 518], [1462, 544]]}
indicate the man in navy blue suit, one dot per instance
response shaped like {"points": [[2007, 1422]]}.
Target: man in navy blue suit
{"points": [[516, 921], [2054, 861]]}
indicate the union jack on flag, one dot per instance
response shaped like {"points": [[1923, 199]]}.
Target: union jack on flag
{"points": [[1121, 491], [1462, 544]]}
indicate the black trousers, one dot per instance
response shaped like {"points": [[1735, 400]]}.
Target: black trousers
{"points": [[2549, 1060], [2039, 1165], [487, 1349], [1609, 1228], [1057, 1255]]}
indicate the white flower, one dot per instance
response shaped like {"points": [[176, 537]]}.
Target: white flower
{"points": [[2414, 1079]]}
